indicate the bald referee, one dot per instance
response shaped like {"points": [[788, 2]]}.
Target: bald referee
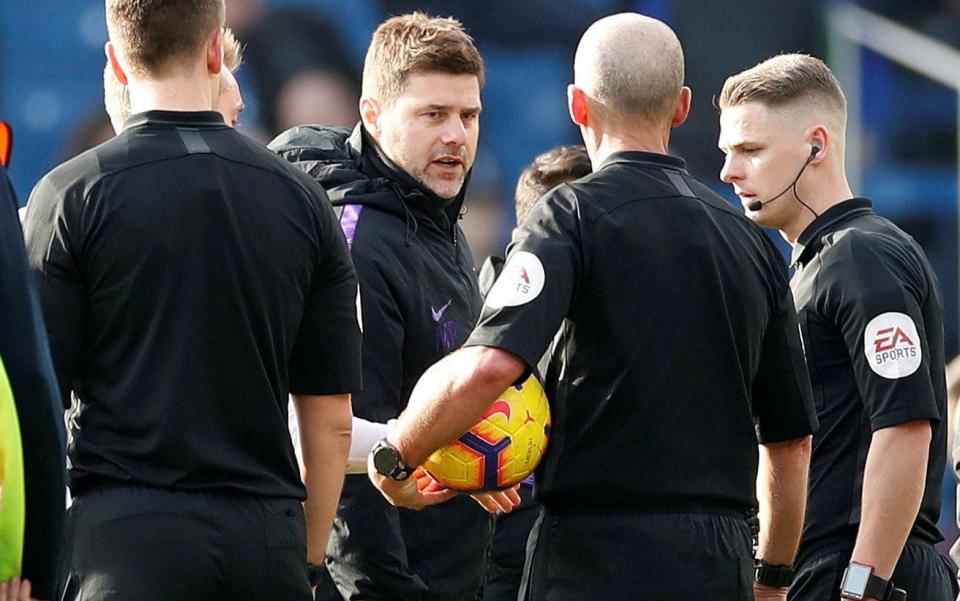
{"points": [[653, 462]]}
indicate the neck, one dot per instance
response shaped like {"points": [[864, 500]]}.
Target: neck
{"points": [[191, 92], [820, 195], [601, 144]]}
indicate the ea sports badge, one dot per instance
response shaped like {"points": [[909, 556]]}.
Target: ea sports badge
{"points": [[891, 345], [520, 282]]}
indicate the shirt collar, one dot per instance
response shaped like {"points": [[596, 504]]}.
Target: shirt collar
{"points": [[187, 118], [808, 242], [635, 156]]}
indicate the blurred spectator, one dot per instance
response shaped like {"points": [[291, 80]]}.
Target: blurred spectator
{"points": [[300, 70], [316, 96]]}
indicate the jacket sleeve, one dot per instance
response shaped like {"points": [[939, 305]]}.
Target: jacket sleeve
{"points": [[383, 340], [26, 357]]}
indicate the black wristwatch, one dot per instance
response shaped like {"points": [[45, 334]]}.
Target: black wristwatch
{"points": [[388, 462], [315, 573], [859, 582], [768, 574]]}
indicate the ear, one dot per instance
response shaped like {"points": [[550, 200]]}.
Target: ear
{"points": [[370, 110], [215, 51], [115, 66], [819, 136], [683, 107], [578, 105]]}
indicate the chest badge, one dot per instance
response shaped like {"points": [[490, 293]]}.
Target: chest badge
{"points": [[446, 331]]}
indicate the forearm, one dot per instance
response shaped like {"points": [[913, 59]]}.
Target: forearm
{"points": [[450, 397], [325, 423], [893, 484], [782, 493]]}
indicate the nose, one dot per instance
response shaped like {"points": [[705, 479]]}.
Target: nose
{"points": [[454, 132], [730, 170]]}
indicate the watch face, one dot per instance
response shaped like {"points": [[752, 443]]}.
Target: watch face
{"points": [[385, 460], [855, 581]]}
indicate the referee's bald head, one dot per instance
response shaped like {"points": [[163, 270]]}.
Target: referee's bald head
{"points": [[631, 66]]}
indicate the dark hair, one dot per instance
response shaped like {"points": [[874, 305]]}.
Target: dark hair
{"points": [[547, 171]]}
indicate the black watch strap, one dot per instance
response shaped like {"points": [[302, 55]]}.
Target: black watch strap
{"points": [[875, 587], [767, 574], [388, 462]]}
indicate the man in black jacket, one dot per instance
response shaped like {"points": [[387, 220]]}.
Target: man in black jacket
{"points": [[25, 357], [398, 183]]}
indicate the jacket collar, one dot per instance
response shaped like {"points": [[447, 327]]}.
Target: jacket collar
{"points": [[376, 163]]}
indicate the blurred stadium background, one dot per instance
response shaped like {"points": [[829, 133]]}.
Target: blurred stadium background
{"points": [[899, 63]]}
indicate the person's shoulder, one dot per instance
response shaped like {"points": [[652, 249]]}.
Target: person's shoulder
{"points": [[312, 141], [871, 256], [865, 240], [80, 173], [322, 151]]}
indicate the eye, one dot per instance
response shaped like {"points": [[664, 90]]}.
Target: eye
{"points": [[470, 117], [433, 115]]}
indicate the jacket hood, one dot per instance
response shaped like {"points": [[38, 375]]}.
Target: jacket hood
{"points": [[353, 170]]}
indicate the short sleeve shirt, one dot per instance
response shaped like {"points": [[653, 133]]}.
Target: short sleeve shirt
{"points": [[870, 309], [668, 303], [191, 280]]}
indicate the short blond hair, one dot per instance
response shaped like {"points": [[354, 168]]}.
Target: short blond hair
{"points": [[417, 43], [785, 79], [116, 101]]}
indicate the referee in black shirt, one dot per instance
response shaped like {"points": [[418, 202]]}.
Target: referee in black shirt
{"points": [[191, 280], [870, 311], [678, 350]]}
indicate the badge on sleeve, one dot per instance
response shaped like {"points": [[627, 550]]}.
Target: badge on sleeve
{"points": [[520, 282], [892, 345]]}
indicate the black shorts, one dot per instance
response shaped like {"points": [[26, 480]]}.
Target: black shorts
{"points": [[659, 557], [510, 534], [131, 542], [922, 572]]}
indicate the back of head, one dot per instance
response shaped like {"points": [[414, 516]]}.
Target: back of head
{"points": [[549, 170], [116, 99], [416, 43], [788, 80], [631, 66], [156, 37]]}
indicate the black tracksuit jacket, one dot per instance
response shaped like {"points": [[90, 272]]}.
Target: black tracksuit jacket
{"points": [[420, 300]]}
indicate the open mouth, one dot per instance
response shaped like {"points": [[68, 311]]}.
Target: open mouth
{"points": [[449, 161]]}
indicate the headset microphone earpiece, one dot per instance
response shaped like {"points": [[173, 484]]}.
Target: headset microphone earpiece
{"points": [[758, 204]]}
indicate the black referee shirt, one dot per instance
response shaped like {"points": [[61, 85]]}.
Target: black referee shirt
{"points": [[870, 310], [678, 345], [190, 280]]}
